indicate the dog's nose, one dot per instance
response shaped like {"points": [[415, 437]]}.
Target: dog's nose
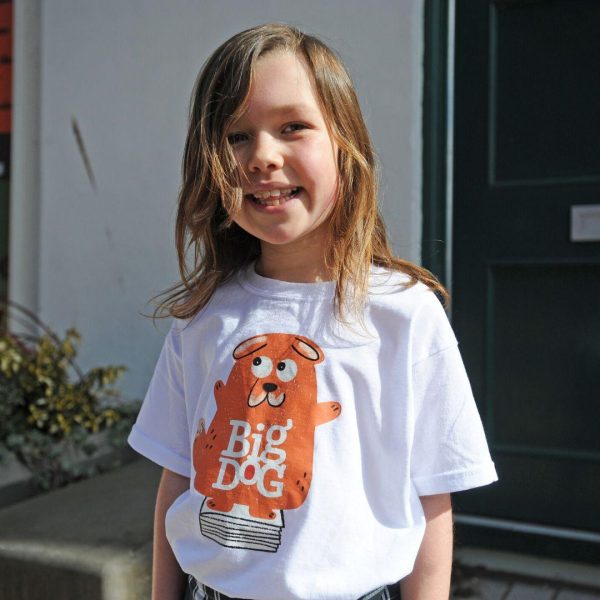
{"points": [[269, 387]]}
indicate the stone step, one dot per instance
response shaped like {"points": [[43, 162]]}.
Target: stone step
{"points": [[90, 540], [481, 574]]}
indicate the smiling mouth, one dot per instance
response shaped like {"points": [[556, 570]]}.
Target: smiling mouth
{"points": [[274, 197]]}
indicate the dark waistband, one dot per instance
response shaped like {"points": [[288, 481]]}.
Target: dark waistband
{"points": [[199, 591]]}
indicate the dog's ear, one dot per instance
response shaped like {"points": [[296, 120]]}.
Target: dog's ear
{"points": [[249, 346], [307, 349]]}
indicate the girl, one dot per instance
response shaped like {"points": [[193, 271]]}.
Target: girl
{"points": [[309, 407]]}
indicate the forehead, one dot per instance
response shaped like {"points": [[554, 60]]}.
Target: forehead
{"points": [[281, 84]]}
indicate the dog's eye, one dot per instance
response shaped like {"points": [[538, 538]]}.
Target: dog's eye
{"points": [[261, 366], [286, 370]]}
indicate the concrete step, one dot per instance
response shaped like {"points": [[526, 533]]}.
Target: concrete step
{"points": [[90, 540]]}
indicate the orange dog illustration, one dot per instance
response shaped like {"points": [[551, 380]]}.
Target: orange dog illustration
{"points": [[258, 449]]}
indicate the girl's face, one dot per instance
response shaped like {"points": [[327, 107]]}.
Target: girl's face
{"points": [[286, 155]]}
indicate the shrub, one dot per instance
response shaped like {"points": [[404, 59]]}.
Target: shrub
{"points": [[51, 412]]}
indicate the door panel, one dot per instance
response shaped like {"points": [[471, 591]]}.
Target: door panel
{"points": [[539, 57]]}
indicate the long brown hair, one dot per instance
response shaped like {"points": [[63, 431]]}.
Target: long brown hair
{"points": [[211, 248]]}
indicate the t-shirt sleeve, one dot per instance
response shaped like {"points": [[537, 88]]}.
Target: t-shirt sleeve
{"points": [[450, 451], [161, 431]]}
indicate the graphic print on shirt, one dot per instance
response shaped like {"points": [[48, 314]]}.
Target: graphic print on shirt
{"points": [[255, 459]]}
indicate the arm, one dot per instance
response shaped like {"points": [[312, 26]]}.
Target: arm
{"points": [[430, 578], [168, 580]]}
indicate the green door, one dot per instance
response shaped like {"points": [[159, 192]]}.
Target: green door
{"points": [[526, 288]]}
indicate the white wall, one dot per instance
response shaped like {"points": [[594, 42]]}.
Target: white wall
{"points": [[124, 71]]}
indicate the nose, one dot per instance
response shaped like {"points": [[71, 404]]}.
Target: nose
{"points": [[265, 154], [269, 387]]}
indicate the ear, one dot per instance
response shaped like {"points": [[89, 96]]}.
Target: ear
{"points": [[307, 349], [249, 346]]}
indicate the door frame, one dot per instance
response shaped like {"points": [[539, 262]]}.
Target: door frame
{"points": [[438, 58]]}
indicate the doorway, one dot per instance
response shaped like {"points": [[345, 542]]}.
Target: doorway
{"points": [[525, 286]]}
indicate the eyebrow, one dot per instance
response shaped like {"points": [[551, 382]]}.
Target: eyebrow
{"points": [[289, 108], [284, 109]]}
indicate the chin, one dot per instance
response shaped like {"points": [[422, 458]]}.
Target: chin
{"points": [[278, 238], [281, 240]]}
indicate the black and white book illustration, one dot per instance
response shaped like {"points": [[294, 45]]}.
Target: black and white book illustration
{"points": [[238, 529]]}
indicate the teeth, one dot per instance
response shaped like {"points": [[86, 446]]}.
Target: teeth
{"points": [[275, 193], [271, 197], [269, 202]]}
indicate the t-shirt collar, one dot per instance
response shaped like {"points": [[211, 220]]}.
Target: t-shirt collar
{"points": [[265, 286]]}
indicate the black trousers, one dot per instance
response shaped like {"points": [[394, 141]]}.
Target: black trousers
{"points": [[198, 591]]}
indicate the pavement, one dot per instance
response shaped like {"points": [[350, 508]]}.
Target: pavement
{"points": [[93, 541]]}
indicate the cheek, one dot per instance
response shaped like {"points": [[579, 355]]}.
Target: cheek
{"points": [[323, 164], [237, 165], [332, 176]]}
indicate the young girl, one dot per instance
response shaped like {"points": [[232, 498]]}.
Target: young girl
{"points": [[310, 407]]}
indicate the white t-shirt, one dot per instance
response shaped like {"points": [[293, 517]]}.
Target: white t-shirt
{"points": [[308, 443]]}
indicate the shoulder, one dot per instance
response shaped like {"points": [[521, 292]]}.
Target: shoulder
{"points": [[224, 300], [394, 291], [413, 309]]}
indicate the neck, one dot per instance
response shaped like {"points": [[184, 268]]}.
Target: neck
{"points": [[303, 263]]}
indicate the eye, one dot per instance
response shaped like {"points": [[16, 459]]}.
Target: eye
{"points": [[262, 366], [294, 127], [236, 138], [286, 370]]}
